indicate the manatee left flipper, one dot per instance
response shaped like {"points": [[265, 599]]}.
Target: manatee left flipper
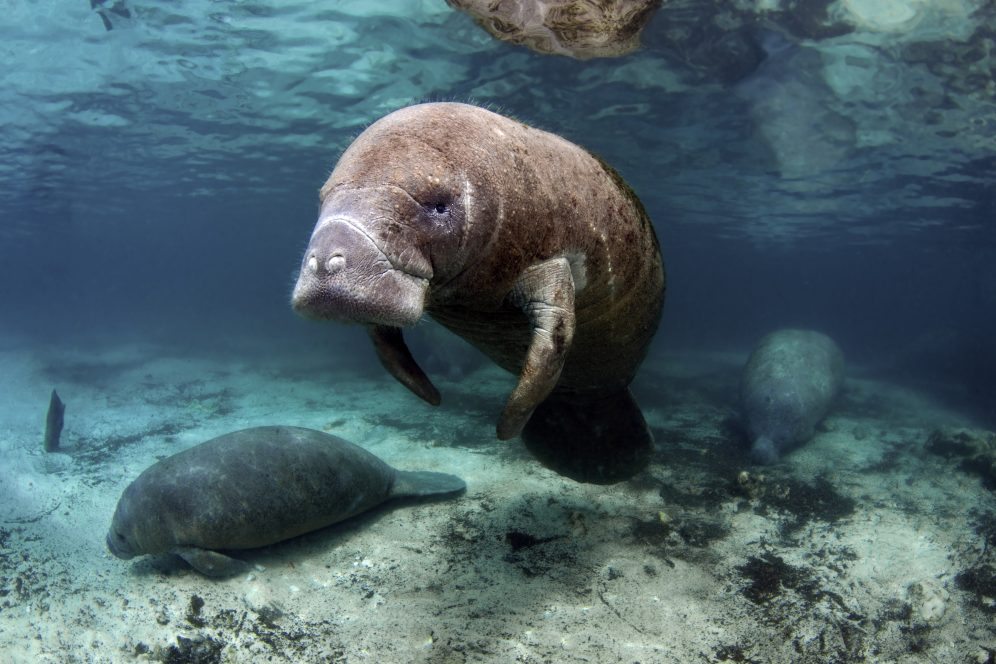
{"points": [[397, 359], [211, 563], [545, 292]]}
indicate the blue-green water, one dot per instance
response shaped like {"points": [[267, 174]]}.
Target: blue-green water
{"points": [[829, 165]]}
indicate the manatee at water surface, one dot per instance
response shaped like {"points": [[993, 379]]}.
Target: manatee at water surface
{"points": [[576, 28], [517, 240], [252, 488], [787, 387]]}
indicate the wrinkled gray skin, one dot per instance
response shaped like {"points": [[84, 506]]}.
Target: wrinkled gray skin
{"points": [[787, 387], [517, 240], [252, 488]]}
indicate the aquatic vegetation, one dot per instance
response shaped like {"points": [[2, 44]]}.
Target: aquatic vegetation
{"points": [[974, 449]]}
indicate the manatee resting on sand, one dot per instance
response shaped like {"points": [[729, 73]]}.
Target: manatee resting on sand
{"points": [[252, 488], [787, 387], [517, 240]]}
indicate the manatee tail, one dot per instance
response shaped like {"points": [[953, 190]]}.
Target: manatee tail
{"points": [[420, 483], [601, 441], [764, 451]]}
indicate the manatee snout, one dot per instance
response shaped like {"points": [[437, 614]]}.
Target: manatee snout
{"points": [[118, 545], [327, 253], [117, 539], [346, 276], [339, 253]]}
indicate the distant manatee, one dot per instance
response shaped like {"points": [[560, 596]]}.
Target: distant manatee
{"points": [[252, 488], [787, 387]]}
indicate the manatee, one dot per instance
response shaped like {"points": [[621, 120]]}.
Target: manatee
{"points": [[577, 28], [520, 242], [787, 387], [252, 488]]}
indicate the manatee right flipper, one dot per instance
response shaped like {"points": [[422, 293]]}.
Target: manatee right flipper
{"points": [[545, 293], [602, 441], [397, 359], [211, 563], [420, 483]]}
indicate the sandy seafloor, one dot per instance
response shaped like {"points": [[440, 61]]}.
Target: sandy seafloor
{"points": [[861, 546]]}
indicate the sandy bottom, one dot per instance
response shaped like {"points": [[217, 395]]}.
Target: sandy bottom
{"points": [[862, 546]]}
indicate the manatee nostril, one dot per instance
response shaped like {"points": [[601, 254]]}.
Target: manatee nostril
{"points": [[313, 264], [335, 263]]}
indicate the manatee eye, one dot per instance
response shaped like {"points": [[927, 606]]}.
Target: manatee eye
{"points": [[438, 209]]}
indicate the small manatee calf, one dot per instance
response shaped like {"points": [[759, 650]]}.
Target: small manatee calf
{"points": [[787, 387], [252, 488]]}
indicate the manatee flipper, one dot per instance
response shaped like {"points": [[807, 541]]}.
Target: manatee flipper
{"points": [[397, 359], [211, 563], [602, 441], [419, 483], [545, 292]]}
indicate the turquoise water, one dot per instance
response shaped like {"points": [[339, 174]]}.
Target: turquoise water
{"points": [[826, 165]]}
